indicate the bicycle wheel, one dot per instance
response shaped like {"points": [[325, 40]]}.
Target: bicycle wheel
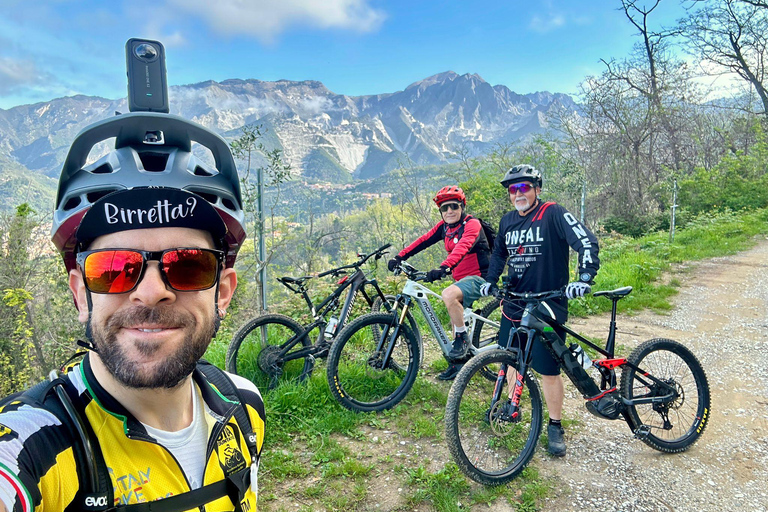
{"points": [[254, 351], [378, 307], [672, 427], [488, 449], [356, 374], [487, 333]]}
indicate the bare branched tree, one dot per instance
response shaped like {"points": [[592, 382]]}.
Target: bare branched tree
{"points": [[732, 35]]}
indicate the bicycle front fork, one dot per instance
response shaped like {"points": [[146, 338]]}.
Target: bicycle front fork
{"points": [[391, 334]]}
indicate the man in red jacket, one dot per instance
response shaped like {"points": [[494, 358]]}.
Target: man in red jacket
{"points": [[467, 263]]}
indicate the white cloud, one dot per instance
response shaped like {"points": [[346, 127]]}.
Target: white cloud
{"points": [[265, 19], [15, 73], [546, 24], [314, 105]]}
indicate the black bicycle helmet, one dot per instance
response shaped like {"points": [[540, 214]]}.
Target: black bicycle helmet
{"points": [[153, 151], [522, 172]]}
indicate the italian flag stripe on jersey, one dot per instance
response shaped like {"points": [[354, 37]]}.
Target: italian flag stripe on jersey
{"points": [[21, 492]]}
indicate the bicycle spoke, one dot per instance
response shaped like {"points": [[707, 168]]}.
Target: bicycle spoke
{"points": [[486, 444], [675, 425]]}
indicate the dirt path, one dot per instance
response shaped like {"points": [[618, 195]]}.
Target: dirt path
{"points": [[721, 315]]}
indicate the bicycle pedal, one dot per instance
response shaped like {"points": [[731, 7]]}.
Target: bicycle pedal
{"points": [[642, 431]]}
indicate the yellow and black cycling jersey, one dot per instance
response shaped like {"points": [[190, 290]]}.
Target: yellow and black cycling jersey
{"points": [[38, 453]]}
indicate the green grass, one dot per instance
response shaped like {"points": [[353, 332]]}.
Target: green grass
{"points": [[640, 262], [320, 456]]}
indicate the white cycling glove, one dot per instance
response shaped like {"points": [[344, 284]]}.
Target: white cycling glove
{"points": [[489, 289], [577, 289]]}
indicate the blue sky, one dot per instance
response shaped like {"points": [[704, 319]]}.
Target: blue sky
{"points": [[54, 48]]}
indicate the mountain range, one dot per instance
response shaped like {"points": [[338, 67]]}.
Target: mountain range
{"points": [[324, 136]]}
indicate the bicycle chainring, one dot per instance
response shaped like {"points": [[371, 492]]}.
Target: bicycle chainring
{"points": [[270, 361]]}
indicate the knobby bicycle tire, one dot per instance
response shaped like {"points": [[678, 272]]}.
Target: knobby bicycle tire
{"points": [[485, 334], [675, 426], [355, 370], [377, 307], [252, 353], [488, 449]]}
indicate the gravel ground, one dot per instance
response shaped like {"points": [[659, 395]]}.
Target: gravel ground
{"points": [[720, 314]]}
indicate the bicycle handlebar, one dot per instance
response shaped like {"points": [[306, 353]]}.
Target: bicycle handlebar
{"points": [[362, 259], [410, 272], [287, 281], [539, 296]]}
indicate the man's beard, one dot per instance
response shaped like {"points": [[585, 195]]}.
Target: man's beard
{"points": [[522, 207], [173, 369]]}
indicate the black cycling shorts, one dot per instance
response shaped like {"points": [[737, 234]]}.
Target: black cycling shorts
{"points": [[542, 359]]}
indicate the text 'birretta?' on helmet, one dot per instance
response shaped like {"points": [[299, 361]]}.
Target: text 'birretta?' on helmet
{"points": [[153, 160], [522, 172], [450, 193]]}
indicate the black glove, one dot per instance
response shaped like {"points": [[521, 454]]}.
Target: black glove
{"points": [[489, 289], [577, 289], [391, 264], [436, 274]]}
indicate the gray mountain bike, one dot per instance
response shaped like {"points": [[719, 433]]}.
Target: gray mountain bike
{"points": [[373, 362]]}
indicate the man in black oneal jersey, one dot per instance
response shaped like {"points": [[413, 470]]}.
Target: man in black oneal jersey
{"points": [[536, 236]]}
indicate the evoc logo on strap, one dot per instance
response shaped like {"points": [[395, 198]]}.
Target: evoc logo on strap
{"points": [[95, 502]]}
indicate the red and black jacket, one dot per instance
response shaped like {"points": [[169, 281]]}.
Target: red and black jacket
{"points": [[466, 245]]}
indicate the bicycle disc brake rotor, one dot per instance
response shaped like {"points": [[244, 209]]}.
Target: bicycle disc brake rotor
{"points": [[500, 426], [375, 366]]}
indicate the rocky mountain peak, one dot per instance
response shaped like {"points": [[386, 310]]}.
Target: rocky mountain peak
{"points": [[324, 135]]}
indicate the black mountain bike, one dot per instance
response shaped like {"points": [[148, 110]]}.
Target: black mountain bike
{"points": [[272, 348], [492, 428]]}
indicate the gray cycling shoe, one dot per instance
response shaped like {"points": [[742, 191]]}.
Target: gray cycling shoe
{"points": [[556, 443]]}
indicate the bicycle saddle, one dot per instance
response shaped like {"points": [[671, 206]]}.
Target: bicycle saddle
{"points": [[614, 294], [294, 280]]}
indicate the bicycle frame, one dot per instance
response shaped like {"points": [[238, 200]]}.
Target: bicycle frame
{"points": [[535, 326], [356, 284], [415, 292]]}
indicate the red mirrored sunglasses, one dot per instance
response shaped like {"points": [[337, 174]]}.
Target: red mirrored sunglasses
{"points": [[184, 269], [523, 188]]}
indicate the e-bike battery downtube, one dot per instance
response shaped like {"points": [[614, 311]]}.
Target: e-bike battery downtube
{"points": [[571, 366]]}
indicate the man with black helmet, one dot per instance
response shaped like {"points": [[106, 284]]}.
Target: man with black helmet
{"points": [[534, 239], [149, 235], [467, 262]]}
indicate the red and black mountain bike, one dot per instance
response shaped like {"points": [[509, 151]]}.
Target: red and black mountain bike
{"points": [[492, 428]]}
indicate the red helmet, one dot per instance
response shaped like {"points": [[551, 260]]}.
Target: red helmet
{"points": [[450, 193]]}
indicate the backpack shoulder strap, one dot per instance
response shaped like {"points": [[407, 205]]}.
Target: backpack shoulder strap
{"points": [[226, 387], [56, 396]]}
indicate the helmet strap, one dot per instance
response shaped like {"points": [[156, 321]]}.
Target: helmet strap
{"points": [[88, 328]]}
